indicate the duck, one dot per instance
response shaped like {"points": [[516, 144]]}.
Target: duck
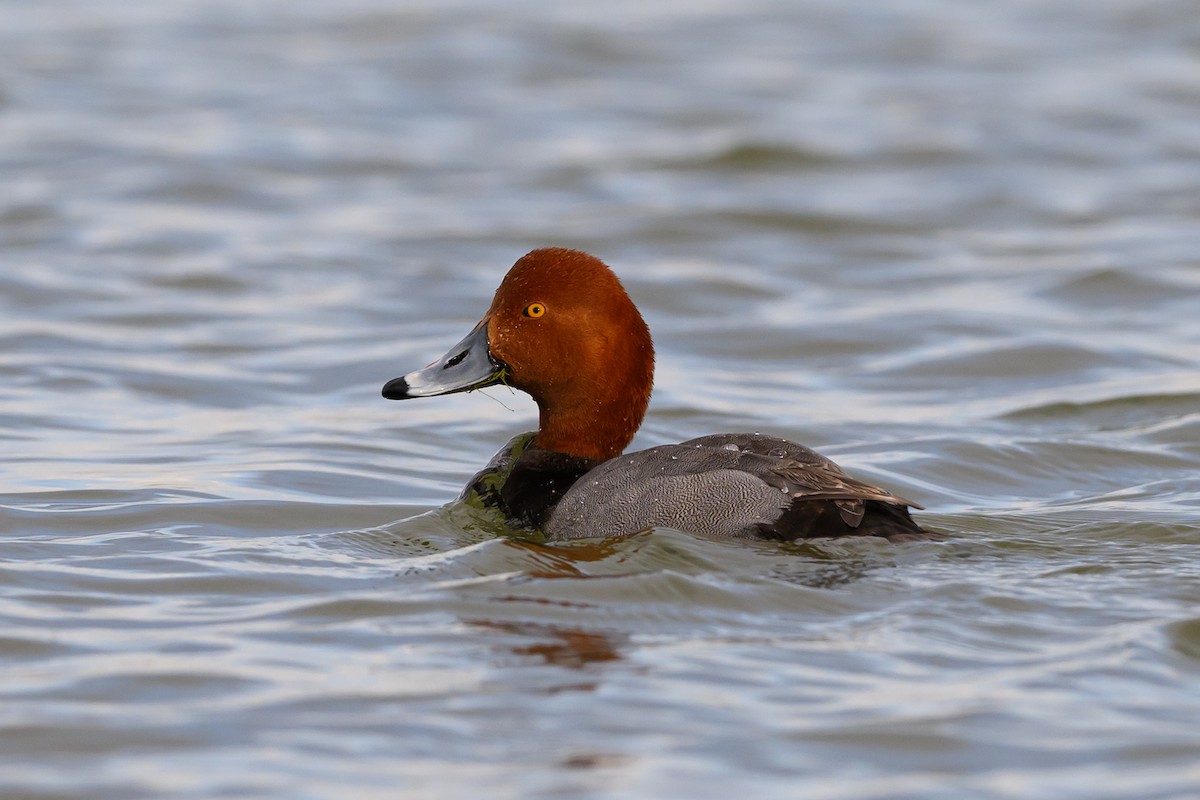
{"points": [[562, 329]]}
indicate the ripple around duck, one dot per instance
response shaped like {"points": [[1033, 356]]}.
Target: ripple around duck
{"points": [[649, 579]]}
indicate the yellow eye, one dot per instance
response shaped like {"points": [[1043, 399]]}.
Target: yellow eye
{"points": [[534, 310]]}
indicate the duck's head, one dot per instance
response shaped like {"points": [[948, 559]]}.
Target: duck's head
{"points": [[561, 328]]}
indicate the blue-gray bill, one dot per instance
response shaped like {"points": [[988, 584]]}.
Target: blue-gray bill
{"points": [[468, 365]]}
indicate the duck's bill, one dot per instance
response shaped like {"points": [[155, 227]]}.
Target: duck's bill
{"points": [[469, 365]]}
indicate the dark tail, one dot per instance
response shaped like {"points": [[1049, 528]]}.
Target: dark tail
{"points": [[816, 519]]}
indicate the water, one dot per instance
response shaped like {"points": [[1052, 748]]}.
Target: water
{"points": [[954, 246]]}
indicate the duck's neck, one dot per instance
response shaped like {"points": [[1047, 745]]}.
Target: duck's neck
{"points": [[595, 414], [596, 424]]}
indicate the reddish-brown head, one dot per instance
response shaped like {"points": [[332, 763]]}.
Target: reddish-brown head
{"points": [[573, 340], [561, 328]]}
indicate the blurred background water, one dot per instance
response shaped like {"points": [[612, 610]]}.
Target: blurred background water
{"points": [[955, 246]]}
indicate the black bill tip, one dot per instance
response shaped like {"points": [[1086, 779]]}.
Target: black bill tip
{"points": [[396, 389]]}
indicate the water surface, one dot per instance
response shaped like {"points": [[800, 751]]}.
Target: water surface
{"points": [[954, 246]]}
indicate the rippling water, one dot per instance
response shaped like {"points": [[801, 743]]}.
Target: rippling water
{"points": [[954, 246]]}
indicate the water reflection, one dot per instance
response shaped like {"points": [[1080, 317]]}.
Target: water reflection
{"points": [[560, 646]]}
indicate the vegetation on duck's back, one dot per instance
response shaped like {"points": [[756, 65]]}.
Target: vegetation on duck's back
{"points": [[483, 490]]}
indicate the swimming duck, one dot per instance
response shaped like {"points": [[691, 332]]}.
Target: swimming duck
{"points": [[562, 328]]}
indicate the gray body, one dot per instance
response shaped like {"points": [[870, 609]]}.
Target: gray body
{"points": [[723, 485]]}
